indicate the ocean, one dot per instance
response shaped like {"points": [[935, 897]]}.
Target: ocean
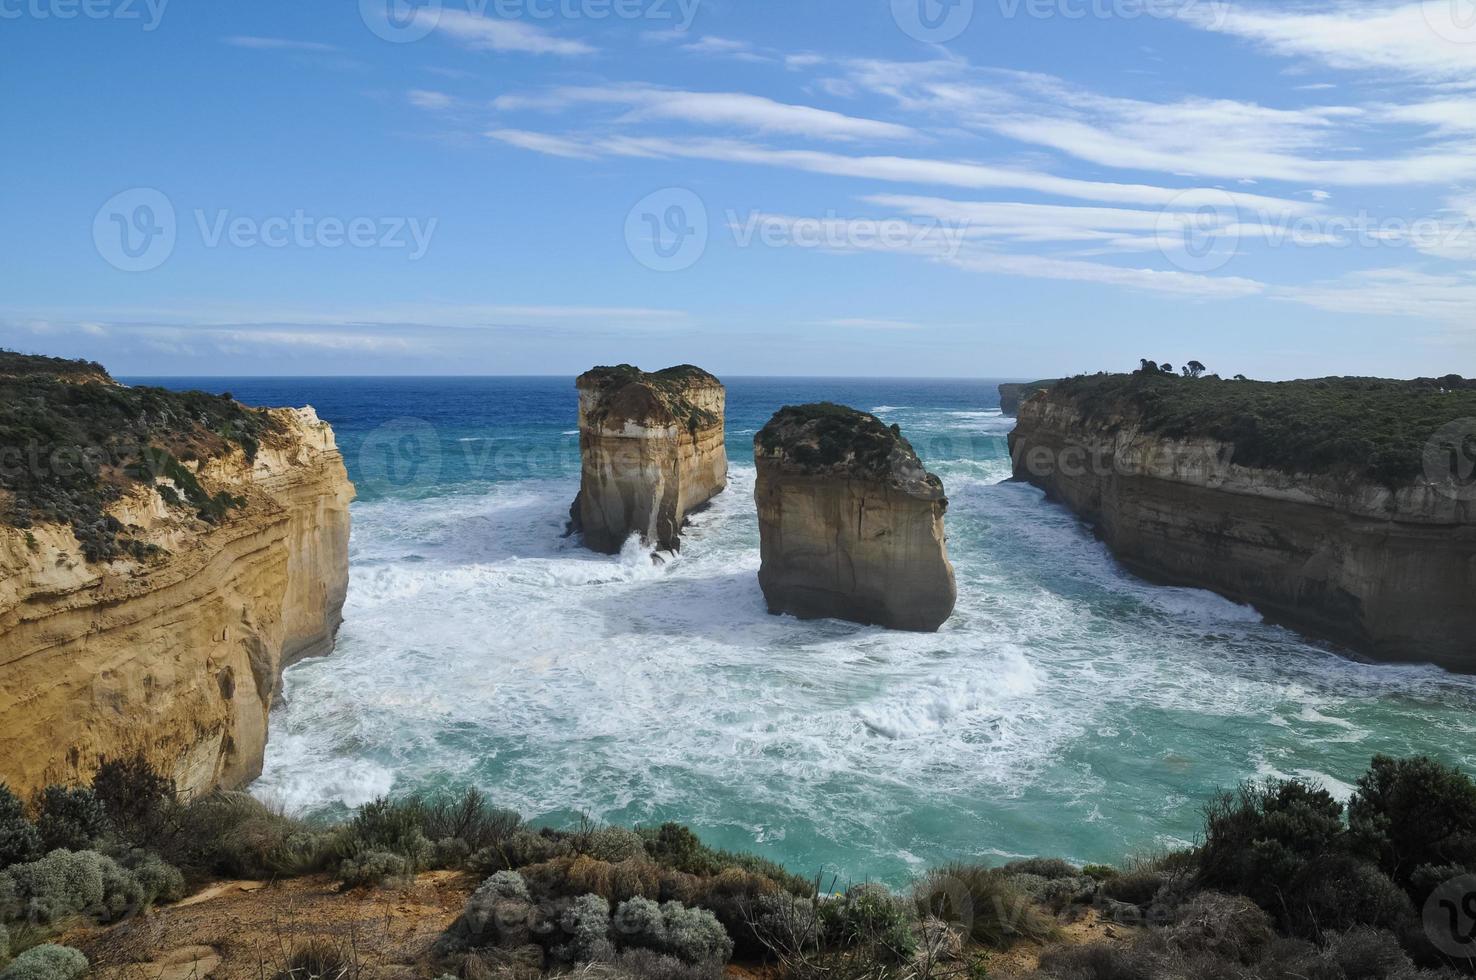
{"points": [[1066, 709]]}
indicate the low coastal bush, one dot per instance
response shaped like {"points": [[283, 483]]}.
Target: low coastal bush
{"points": [[141, 804], [586, 926], [370, 869], [691, 935], [1417, 819], [984, 903], [70, 818], [46, 963], [19, 839], [65, 885]]}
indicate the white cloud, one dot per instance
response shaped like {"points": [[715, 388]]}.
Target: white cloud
{"points": [[494, 34], [725, 48], [276, 44], [1147, 280], [867, 323], [712, 108], [1393, 292], [1432, 40], [434, 101], [557, 146]]}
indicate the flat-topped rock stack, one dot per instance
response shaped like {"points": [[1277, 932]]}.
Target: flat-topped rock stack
{"points": [[651, 450], [850, 522]]}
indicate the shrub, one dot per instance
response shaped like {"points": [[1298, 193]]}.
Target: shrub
{"points": [[871, 916], [983, 903], [677, 847], [236, 835], [518, 850], [390, 827], [70, 819], [1099, 872], [784, 924], [319, 960], [587, 924], [370, 869], [1409, 813], [19, 841], [468, 818], [160, 881], [47, 962], [1135, 887], [1340, 892], [690, 935], [64, 884], [4, 944], [450, 852], [1050, 869], [139, 802], [1227, 927], [645, 964], [1260, 839], [612, 844], [498, 912]]}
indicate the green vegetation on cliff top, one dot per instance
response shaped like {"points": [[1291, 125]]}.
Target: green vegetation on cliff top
{"points": [[1364, 427], [823, 435], [72, 442], [671, 386]]}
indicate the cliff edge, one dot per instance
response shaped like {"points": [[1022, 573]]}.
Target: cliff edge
{"points": [[850, 522], [1011, 395], [163, 556], [651, 452], [1338, 507]]}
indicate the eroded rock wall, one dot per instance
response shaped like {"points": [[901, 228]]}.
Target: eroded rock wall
{"points": [[652, 452], [849, 540], [1390, 573], [180, 657]]}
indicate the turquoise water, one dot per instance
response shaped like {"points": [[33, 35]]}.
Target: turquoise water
{"points": [[1067, 708]]}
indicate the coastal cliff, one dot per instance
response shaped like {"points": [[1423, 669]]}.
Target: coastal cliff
{"points": [[1011, 395], [850, 522], [1315, 502], [651, 451], [152, 610]]}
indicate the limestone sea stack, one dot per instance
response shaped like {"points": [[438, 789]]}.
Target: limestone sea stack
{"points": [[163, 557], [850, 522], [651, 451]]}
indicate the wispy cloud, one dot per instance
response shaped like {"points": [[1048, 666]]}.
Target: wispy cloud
{"points": [[494, 34], [277, 44], [1393, 292], [555, 146], [433, 101], [737, 109]]}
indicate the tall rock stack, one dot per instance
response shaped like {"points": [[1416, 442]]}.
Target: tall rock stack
{"points": [[651, 449], [850, 522]]}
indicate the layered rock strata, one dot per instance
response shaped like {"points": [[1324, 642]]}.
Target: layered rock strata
{"points": [[651, 452], [850, 522]]}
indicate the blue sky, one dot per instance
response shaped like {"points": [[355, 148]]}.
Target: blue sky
{"points": [[852, 187]]}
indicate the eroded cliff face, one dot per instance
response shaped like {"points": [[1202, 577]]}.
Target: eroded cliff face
{"points": [[850, 522], [1388, 572], [178, 656], [1011, 395], [651, 449]]}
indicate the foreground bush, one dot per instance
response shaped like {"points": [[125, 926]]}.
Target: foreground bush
{"points": [[64, 884], [691, 935], [370, 869], [1416, 815], [46, 963], [984, 903], [70, 819], [19, 841]]}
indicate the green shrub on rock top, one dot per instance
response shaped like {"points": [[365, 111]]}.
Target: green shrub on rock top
{"points": [[1261, 838], [1413, 814], [689, 934], [46, 963]]}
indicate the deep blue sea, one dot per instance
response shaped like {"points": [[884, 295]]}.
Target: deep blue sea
{"points": [[1067, 708]]}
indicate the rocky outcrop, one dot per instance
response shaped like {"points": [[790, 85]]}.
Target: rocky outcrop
{"points": [[1387, 570], [850, 523], [652, 452], [174, 653], [1011, 395]]}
